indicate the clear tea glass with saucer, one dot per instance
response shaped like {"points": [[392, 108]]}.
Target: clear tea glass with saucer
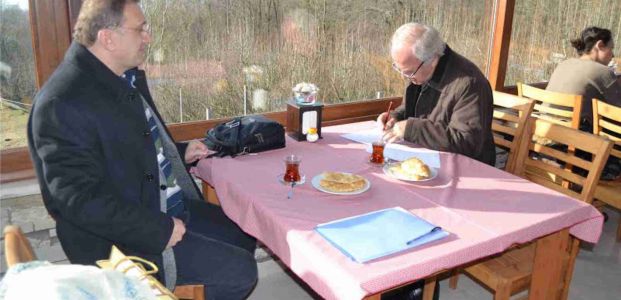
{"points": [[292, 173]]}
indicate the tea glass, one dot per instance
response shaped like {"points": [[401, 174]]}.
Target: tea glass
{"points": [[377, 157], [292, 173]]}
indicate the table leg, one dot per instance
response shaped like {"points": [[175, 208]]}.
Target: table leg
{"points": [[548, 266], [209, 193], [430, 286]]}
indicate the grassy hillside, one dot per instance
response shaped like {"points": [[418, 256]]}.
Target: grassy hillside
{"points": [[12, 128]]}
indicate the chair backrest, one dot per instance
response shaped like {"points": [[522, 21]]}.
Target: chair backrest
{"points": [[558, 108], [547, 167], [509, 121], [17, 248], [607, 122]]}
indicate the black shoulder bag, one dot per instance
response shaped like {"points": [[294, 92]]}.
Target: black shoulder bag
{"points": [[249, 134]]}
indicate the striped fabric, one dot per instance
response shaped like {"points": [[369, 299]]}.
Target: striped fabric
{"points": [[174, 195]]}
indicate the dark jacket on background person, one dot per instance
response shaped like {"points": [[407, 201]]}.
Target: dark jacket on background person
{"points": [[96, 161], [453, 111]]}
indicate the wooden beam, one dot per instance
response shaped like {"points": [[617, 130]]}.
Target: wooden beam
{"points": [[501, 42], [333, 114], [74, 10], [51, 35], [15, 165], [194, 130], [358, 109]]}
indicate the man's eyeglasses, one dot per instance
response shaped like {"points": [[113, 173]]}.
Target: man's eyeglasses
{"points": [[142, 29], [408, 76]]}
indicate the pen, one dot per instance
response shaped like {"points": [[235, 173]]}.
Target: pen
{"points": [[388, 114], [412, 241]]}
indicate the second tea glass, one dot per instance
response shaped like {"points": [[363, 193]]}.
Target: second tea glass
{"points": [[377, 156]]}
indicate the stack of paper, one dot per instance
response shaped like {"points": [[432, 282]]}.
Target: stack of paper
{"points": [[380, 233], [395, 151], [365, 136]]}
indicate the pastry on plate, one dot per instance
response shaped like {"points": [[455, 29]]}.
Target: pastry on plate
{"points": [[342, 177], [416, 167], [342, 182], [411, 169]]}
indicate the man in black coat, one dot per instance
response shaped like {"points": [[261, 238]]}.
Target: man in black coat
{"points": [[109, 172]]}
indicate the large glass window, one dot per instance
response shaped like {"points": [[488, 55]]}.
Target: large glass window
{"points": [[542, 30], [17, 77], [212, 59]]}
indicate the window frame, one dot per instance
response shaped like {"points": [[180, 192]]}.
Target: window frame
{"points": [[51, 22]]}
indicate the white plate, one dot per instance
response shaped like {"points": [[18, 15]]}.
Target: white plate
{"points": [[387, 171], [317, 179]]}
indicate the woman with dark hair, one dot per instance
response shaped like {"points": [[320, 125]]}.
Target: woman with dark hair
{"points": [[589, 74]]}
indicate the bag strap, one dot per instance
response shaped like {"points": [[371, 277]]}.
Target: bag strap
{"points": [[233, 143], [236, 137]]}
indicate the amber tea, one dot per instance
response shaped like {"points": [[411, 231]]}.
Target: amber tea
{"points": [[292, 173], [377, 157]]}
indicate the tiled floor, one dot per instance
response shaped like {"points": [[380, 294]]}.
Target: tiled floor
{"points": [[597, 276]]}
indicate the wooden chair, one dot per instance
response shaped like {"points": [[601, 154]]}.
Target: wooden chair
{"points": [[508, 123], [17, 249], [558, 108], [607, 123], [511, 272]]}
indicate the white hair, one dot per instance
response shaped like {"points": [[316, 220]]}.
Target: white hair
{"points": [[424, 40]]}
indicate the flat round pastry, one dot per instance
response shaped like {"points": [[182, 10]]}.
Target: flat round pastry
{"points": [[339, 187], [342, 177], [341, 182], [415, 167]]}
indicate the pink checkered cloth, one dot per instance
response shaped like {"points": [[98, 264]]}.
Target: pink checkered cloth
{"points": [[486, 210]]}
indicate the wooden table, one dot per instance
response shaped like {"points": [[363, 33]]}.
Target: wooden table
{"points": [[486, 210]]}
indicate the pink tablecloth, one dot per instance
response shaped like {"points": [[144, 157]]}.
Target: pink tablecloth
{"points": [[485, 210]]}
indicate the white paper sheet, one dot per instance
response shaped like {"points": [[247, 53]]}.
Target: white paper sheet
{"points": [[366, 136], [394, 151]]}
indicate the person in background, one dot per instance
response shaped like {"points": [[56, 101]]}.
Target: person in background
{"points": [[448, 103], [110, 172], [589, 75]]}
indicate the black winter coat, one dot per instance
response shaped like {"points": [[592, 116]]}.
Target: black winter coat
{"points": [[96, 161]]}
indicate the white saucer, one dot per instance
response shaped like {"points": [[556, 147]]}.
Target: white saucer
{"points": [[281, 179]]}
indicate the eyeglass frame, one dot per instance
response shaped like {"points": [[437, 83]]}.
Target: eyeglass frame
{"points": [[144, 28], [410, 77]]}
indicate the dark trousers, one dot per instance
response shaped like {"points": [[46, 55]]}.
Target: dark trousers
{"points": [[412, 291], [215, 252]]}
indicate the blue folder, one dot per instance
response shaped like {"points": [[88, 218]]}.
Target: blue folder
{"points": [[379, 233]]}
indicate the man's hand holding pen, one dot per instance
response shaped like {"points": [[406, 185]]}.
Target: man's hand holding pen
{"points": [[393, 130]]}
